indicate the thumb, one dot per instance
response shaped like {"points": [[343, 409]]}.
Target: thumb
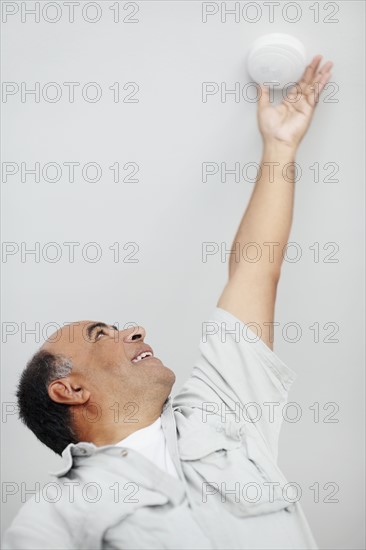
{"points": [[263, 96]]}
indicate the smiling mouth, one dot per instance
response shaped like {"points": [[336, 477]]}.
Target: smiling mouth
{"points": [[142, 357]]}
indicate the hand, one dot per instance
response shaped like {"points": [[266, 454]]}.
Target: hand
{"points": [[287, 123]]}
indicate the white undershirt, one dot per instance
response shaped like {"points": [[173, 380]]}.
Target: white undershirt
{"points": [[151, 443]]}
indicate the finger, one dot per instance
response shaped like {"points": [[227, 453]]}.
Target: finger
{"points": [[263, 100], [320, 84], [325, 82], [323, 71], [310, 70], [320, 80], [322, 74], [306, 79]]}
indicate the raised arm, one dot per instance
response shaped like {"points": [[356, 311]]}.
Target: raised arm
{"points": [[254, 269]]}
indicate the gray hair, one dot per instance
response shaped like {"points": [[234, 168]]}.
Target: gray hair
{"points": [[60, 367]]}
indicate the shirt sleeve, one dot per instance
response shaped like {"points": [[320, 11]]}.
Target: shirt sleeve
{"points": [[237, 375], [37, 526]]}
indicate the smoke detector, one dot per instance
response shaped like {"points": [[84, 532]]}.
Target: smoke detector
{"points": [[276, 58]]}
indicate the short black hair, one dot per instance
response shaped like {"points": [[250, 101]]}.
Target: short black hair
{"points": [[51, 422]]}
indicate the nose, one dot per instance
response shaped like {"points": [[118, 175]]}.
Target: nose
{"points": [[135, 335]]}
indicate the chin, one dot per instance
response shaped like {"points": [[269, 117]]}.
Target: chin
{"points": [[158, 373], [159, 366], [169, 375], [167, 380]]}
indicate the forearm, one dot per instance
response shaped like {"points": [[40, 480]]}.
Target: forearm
{"points": [[268, 216]]}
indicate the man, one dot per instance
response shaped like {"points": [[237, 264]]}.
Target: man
{"points": [[199, 471]]}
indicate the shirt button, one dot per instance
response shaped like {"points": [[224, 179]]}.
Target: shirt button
{"points": [[124, 452]]}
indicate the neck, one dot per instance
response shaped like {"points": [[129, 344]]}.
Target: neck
{"points": [[110, 425]]}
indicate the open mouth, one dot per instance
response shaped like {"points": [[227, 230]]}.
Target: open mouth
{"points": [[142, 357]]}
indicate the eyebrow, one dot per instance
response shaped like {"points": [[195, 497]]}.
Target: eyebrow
{"points": [[90, 329]]}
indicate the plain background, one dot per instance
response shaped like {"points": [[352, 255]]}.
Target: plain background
{"points": [[170, 212]]}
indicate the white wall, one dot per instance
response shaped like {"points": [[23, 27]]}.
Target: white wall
{"points": [[170, 212]]}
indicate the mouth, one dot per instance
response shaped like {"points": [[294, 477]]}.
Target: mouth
{"points": [[143, 356]]}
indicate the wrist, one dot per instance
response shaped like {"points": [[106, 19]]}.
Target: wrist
{"points": [[279, 150]]}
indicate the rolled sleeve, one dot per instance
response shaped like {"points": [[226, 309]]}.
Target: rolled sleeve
{"points": [[237, 373]]}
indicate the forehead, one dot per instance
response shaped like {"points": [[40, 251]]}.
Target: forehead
{"points": [[76, 332]]}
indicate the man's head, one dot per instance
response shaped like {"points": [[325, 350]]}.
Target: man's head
{"points": [[88, 382]]}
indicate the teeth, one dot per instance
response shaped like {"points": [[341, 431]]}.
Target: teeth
{"points": [[142, 356]]}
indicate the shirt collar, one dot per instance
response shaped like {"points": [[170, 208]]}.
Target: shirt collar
{"points": [[85, 448], [142, 436]]}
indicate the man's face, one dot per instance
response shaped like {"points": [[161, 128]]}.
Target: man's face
{"points": [[105, 363]]}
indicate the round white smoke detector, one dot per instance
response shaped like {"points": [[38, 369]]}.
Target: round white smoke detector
{"points": [[276, 58]]}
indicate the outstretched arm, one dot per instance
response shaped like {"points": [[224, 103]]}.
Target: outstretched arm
{"points": [[254, 269]]}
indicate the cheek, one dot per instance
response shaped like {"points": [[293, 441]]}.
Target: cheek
{"points": [[121, 369], [110, 360]]}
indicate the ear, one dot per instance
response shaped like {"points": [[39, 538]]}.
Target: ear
{"points": [[67, 392]]}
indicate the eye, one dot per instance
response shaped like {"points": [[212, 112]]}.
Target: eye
{"points": [[101, 331]]}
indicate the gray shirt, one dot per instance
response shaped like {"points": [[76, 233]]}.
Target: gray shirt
{"points": [[222, 431]]}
